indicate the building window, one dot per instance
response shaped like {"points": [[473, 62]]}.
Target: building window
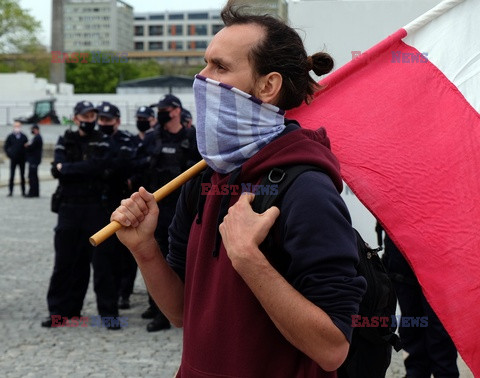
{"points": [[175, 30], [138, 30], [197, 45], [175, 45], [197, 29], [138, 46], [175, 16], [155, 30], [198, 16], [138, 18], [157, 17], [216, 28], [155, 45]]}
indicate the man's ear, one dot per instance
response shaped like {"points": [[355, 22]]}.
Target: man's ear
{"points": [[268, 88]]}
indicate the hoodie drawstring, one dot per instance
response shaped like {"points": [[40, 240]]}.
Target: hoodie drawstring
{"points": [[206, 176], [224, 205]]}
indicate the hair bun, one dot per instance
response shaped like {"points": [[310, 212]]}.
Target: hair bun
{"points": [[322, 63]]}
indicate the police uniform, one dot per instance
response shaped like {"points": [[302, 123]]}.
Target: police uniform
{"points": [[141, 161], [170, 155], [121, 166], [83, 159], [34, 158], [430, 349]]}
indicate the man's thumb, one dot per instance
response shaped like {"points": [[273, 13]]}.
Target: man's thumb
{"points": [[271, 214]]}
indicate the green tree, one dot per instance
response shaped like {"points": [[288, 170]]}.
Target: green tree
{"points": [[99, 76], [18, 29]]}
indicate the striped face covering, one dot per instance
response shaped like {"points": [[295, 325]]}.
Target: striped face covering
{"points": [[232, 125]]}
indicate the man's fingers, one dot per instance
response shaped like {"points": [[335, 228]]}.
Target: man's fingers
{"points": [[133, 210], [247, 197], [148, 198]]}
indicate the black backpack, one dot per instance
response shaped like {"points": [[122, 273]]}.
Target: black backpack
{"points": [[371, 347]]}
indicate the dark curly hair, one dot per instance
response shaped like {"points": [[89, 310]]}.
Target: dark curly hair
{"points": [[281, 50]]}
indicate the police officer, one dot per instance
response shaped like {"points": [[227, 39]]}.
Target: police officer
{"points": [[15, 149], [172, 149], [80, 159], [120, 265], [430, 349], [145, 121], [186, 119], [34, 157]]}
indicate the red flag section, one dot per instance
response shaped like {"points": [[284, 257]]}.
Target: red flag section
{"points": [[409, 146]]}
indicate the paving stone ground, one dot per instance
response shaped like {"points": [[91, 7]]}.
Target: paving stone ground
{"points": [[28, 350]]}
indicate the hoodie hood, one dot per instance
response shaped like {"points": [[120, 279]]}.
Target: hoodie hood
{"points": [[294, 147]]}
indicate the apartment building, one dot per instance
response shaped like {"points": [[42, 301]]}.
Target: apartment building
{"points": [[98, 25], [182, 37], [188, 31]]}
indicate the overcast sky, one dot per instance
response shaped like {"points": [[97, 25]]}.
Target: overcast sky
{"points": [[42, 9]]}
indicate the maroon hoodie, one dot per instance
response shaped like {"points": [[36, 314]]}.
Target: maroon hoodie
{"points": [[226, 331]]}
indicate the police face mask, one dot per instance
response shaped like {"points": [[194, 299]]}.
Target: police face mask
{"points": [[163, 117], [232, 125], [143, 125], [107, 129], [87, 127]]}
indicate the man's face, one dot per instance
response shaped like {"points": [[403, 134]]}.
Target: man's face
{"points": [[151, 120], [172, 111], [90, 116], [17, 127], [227, 56], [107, 121]]}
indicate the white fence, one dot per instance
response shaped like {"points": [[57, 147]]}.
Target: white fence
{"points": [[127, 103]]}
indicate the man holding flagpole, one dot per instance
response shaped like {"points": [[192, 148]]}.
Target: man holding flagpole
{"points": [[243, 313]]}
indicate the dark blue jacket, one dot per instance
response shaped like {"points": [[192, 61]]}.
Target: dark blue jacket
{"points": [[34, 150], [15, 146], [84, 160], [319, 253]]}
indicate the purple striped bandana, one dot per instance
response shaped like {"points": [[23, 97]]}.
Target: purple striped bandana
{"points": [[232, 125]]}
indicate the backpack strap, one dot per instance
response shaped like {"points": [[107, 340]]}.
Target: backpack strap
{"points": [[277, 181]]}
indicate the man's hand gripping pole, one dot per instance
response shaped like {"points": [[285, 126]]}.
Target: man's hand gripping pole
{"points": [[159, 194]]}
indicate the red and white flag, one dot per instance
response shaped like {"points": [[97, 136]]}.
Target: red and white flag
{"points": [[403, 120]]}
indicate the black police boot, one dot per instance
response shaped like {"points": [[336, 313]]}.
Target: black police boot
{"points": [[149, 313], [158, 323], [47, 323], [124, 303]]}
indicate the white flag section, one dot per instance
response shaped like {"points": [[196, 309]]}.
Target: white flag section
{"points": [[460, 33], [403, 120]]}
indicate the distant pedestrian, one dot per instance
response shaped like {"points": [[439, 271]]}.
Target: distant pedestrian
{"points": [[15, 149], [34, 157]]}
